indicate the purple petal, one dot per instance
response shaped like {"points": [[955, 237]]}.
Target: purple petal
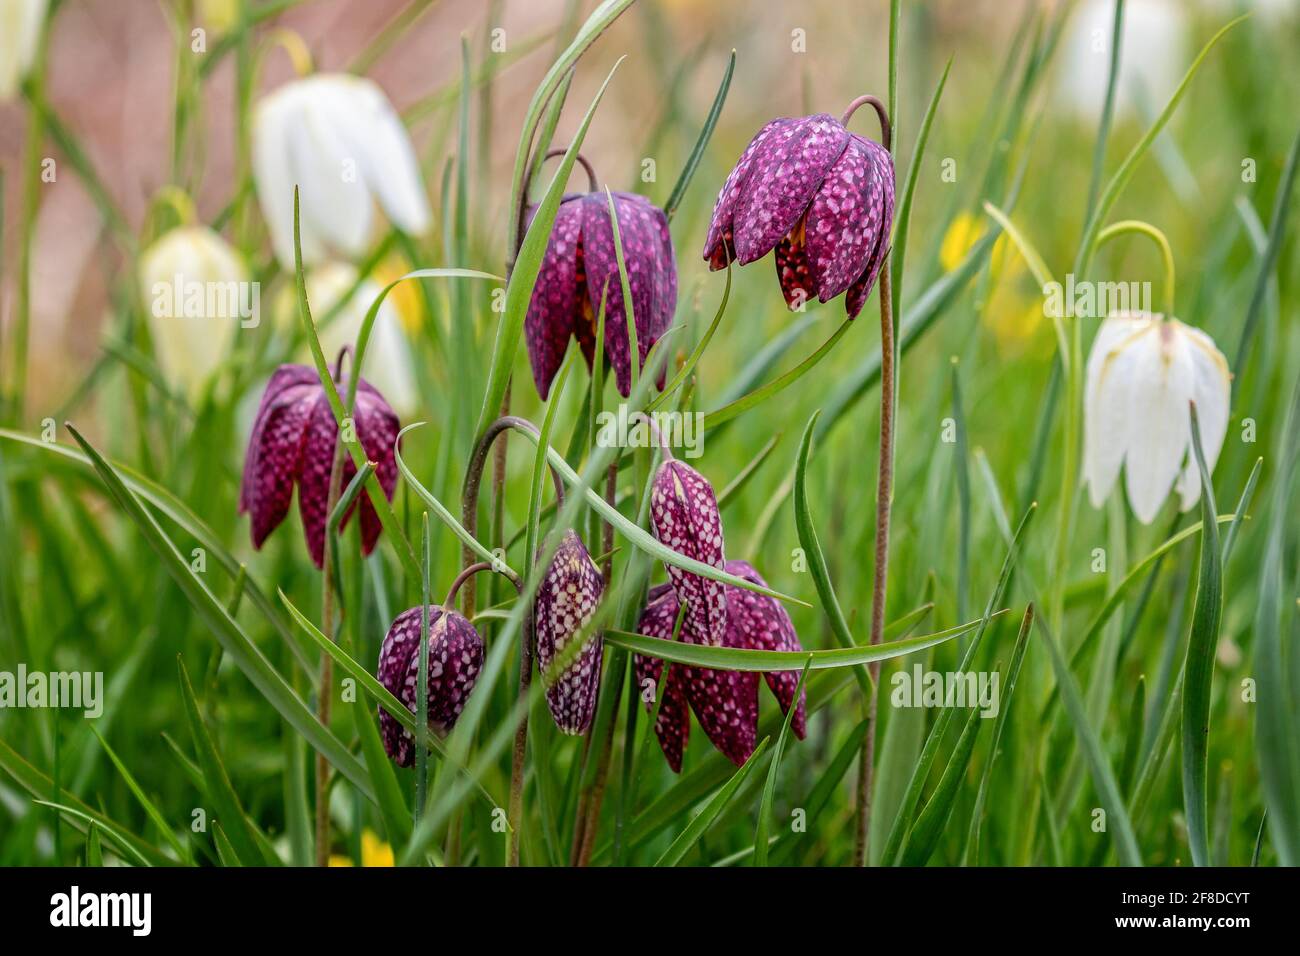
{"points": [[684, 512], [314, 475], [673, 727], [793, 270], [400, 644], [275, 447], [566, 600], [557, 295], [787, 170], [719, 247], [882, 173], [651, 274], [726, 705], [842, 228], [377, 428], [758, 622]]}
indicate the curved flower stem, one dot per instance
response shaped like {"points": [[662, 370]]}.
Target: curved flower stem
{"points": [[886, 130], [461, 578], [469, 520], [520, 224], [884, 502], [1126, 226]]}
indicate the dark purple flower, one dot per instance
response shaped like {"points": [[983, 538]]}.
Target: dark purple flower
{"points": [[819, 195], [566, 600], [455, 659], [725, 702], [580, 263], [684, 513], [293, 439]]}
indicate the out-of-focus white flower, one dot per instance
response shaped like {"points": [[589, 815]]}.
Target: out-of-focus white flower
{"points": [[1153, 55], [387, 362], [339, 140], [197, 293], [1143, 371], [20, 32]]}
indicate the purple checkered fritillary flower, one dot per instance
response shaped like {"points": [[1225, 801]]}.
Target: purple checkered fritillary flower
{"points": [[725, 702], [580, 264], [293, 441], [684, 514], [455, 660], [820, 196], [566, 600]]}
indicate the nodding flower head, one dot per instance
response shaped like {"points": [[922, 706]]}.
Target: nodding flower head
{"points": [[580, 265], [725, 702], [684, 513], [819, 195], [293, 440], [566, 600], [455, 659], [1143, 371]]}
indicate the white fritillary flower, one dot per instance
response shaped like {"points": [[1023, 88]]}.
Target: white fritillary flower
{"points": [[1143, 371]]}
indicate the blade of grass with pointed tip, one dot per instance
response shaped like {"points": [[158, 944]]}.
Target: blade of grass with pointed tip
{"points": [[702, 142], [220, 790], [238, 646], [761, 842], [528, 263], [902, 824], [700, 823], [688, 367], [150, 809], [808, 540]]}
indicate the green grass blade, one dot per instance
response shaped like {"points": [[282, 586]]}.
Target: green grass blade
{"points": [[761, 841], [706, 133], [700, 823]]}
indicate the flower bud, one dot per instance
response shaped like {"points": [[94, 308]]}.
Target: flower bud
{"points": [[684, 512], [566, 601]]}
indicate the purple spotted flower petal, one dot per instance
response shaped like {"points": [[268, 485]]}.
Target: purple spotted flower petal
{"points": [[673, 727], [684, 512], [579, 263], [819, 196], [275, 446], [719, 246], [725, 702], [760, 623], [651, 277], [788, 171], [861, 288], [455, 660], [566, 600], [293, 440], [557, 296]]}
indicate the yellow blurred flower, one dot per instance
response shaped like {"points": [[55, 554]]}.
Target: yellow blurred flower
{"points": [[405, 297], [219, 15], [374, 852]]}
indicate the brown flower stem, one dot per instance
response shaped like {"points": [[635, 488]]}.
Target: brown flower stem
{"points": [[884, 502]]}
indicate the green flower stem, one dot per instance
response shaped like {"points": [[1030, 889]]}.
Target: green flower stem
{"points": [[1128, 226]]}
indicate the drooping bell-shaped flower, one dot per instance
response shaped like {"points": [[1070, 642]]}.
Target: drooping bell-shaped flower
{"points": [[725, 702], [1142, 372], [566, 600], [339, 140], [455, 660], [580, 264], [821, 197], [197, 294], [293, 441], [685, 517]]}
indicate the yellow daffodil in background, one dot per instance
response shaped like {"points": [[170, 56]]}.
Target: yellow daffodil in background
{"points": [[387, 363], [20, 32], [196, 295], [374, 852], [339, 140], [1013, 311], [405, 296]]}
